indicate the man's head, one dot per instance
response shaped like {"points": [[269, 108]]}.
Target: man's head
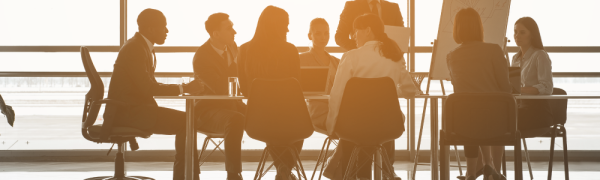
{"points": [[220, 28], [153, 25]]}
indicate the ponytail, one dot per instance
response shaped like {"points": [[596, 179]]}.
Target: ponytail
{"points": [[388, 48]]}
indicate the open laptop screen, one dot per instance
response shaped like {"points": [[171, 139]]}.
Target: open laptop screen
{"points": [[313, 79]]}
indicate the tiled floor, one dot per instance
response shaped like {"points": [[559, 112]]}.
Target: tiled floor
{"points": [[210, 171]]}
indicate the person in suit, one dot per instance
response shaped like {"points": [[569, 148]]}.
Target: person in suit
{"points": [[389, 12], [214, 62], [269, 55], [477, 67], [317, 56], [377, 56], [133, 82]]}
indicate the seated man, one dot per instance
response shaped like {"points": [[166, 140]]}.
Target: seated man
{"points": [[214, 62], [133, 82]]}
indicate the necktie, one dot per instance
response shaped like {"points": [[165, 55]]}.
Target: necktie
{"points": [[374, 9]]}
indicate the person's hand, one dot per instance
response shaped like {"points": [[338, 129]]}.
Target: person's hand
{"points": [[194, 87], [530, 91]]}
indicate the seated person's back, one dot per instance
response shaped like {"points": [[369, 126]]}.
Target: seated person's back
{"points": [[478, 67]]}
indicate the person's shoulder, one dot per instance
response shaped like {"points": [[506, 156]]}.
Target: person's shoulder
{"points": [[384, 2], [539, 53], [290, 47]]}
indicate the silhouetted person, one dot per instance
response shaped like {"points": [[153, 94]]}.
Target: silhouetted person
{"points": [[377, 56], [536, 75], [317, 56], [214, 62], [389, 12], [269, 55], [133, 82], [477, 67]]}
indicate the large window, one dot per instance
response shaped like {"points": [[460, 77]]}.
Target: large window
{"points": [[59, 22], [49, 108]]}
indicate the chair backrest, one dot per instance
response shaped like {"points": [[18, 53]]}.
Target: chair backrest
{"points": [[559, 106], [277, 112], [96, 92], [370, 112], [480, 115]]}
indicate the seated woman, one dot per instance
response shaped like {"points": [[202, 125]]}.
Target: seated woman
{"points": [[377, 56], [317, 56], [536, 76], [268, 55], [477, 67]]}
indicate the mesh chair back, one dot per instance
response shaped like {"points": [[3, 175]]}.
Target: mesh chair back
{"points": [[559, 106], [370, 112], [480, 115], [96, 92], [277, 112]]}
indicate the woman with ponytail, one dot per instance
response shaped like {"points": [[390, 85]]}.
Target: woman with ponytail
{"points": [[377, 56]]}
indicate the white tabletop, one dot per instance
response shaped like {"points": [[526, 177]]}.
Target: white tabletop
{"points": [[418, 97], [229, 97]]}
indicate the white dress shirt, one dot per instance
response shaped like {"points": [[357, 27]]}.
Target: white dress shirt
{"points": [[378, 6], [229, 55], [536, 70], [366, 62]]}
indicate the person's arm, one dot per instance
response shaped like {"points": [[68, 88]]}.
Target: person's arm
{"points": [[138, 71], [295, 60], [500, 69], [544, 74], [407, 86], [345, 28], [206, 71], [344, 73], [398, 15]]}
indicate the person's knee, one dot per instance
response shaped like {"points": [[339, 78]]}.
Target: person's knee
{"points": [[237, 121]]}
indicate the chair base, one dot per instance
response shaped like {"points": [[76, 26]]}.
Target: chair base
{"points": [[124, 178], [261, 171], [322, 159]]}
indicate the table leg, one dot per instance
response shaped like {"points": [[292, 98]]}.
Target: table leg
{"points": [[444, 151], [189, 140], [433, 114]]}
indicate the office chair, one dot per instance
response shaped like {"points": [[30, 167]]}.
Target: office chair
{"points": [[481, 119], [106, 132], [324, 153], [369, 116], [277, 115], [209, 138], [559, 114]]}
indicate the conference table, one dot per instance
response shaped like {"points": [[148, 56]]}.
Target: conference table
{"points": [[436, 172]]}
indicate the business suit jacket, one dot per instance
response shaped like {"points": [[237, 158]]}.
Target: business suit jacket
{"points": [[276, 60], [133, 82], [212, 69], [390, 13]]}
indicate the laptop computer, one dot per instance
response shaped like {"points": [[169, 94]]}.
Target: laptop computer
{"points": [[514, 76], [313, 79]]}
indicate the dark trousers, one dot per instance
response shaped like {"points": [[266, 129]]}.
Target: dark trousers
{"points": [[533, 114], [345, 149], [172, 122], [231, 124]]}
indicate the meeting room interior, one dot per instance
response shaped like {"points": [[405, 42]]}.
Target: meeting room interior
{"points": [[299, 89]]}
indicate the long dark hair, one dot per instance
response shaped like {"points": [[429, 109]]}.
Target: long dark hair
{"points": [[467, 26], [532, 26], [387, 47], [272, 26]]}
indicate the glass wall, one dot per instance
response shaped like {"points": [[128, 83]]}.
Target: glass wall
{"points": [[49, 108]]}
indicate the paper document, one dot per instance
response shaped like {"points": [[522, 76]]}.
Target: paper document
{"points": [[400, 35]]}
